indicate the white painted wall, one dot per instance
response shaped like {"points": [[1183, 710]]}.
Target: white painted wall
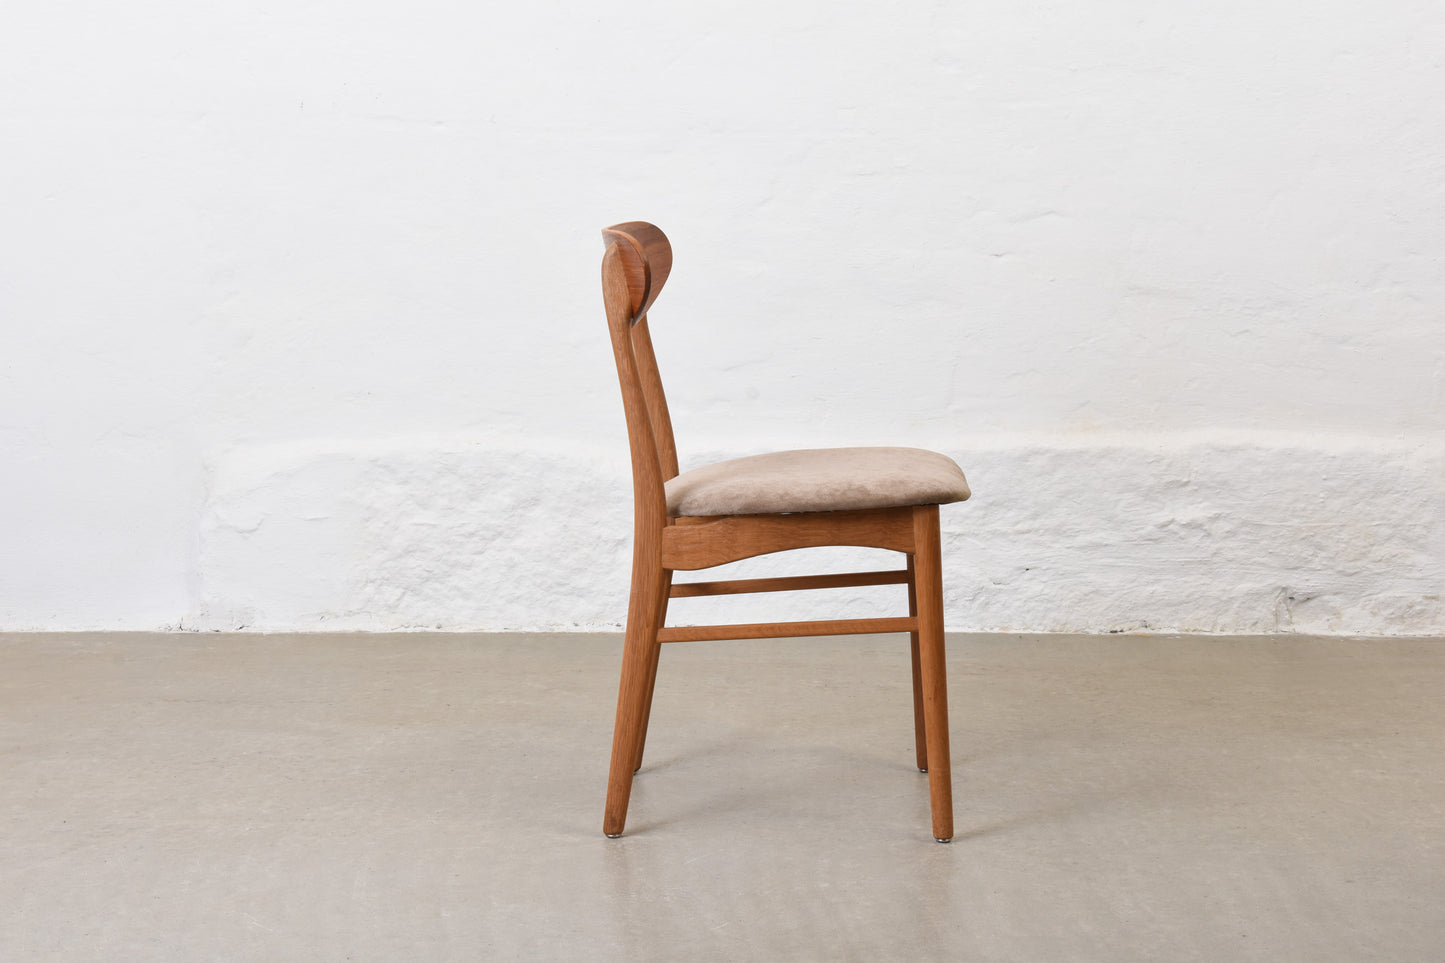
{"points": [[300, 325]]}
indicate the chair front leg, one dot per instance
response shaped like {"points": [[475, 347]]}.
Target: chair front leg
{"points": [[634, 694], [929, 588]]}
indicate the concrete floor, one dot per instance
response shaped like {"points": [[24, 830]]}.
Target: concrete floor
{"points": [[432, 797]]}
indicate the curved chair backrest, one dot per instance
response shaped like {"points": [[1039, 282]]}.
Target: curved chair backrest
{"points": [[646, 260], [634, 269]]}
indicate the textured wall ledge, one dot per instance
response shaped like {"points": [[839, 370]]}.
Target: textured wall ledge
{"points": [[1197, 533]]}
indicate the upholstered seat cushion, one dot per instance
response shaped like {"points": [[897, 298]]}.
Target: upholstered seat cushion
{"points": [[818, 480]]}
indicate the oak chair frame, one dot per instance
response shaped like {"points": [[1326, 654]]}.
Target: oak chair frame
{"points": [[635, 266]]}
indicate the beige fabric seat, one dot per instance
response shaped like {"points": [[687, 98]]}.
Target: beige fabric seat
{"points": [[817, 480]]}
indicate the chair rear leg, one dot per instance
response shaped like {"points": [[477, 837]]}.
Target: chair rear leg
{"points": [[639, 668], [929, 588], [651, 683], [920, 736]]}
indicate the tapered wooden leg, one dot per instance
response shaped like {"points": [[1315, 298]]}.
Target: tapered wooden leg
{"points": [[639, 666], [652, 676], [920, 736], [929, 588]]}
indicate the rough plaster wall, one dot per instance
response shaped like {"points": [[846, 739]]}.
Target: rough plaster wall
{"points": [[1197, 533], [299, 320]]}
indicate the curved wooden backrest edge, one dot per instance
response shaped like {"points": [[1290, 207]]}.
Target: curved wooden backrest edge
{"points": [[646, 258], [647, 470]]}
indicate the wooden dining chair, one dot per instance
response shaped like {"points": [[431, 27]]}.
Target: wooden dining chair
{"points": [[874, 497]]}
